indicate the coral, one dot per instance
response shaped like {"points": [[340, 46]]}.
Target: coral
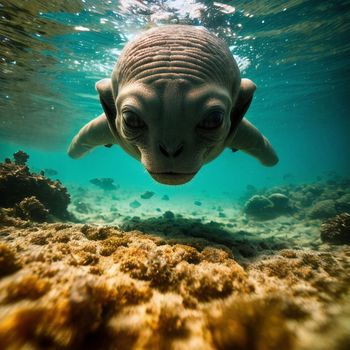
{"points": [[259, 207], [26, 287], [257, 324], [31, 209], [111, 244], [336, 230], [323, 210], [264, 208], [171, 322], [17, 183], [342, 205], [20, 158], [8, 260], [96, 233]]}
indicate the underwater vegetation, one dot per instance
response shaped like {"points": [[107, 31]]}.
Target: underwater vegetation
{"points": [[171, 281]]}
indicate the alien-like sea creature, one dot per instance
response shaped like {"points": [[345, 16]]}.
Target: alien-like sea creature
{"points": [[175, 101]]}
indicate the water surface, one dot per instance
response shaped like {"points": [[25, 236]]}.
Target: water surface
{"points": [[52, 53]]}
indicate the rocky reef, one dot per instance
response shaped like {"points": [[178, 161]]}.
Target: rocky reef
{"points": [[319, 201], [33, 196], [75, 286]]}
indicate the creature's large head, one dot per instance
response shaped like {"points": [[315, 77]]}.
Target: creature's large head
{"points": [[174, 99]]}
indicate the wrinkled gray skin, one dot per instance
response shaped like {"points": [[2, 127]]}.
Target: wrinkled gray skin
{"points": [[167, 84]]}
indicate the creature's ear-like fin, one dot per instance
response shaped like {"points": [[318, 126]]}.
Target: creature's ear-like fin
{"points": [[245, 97], [104, 88]]}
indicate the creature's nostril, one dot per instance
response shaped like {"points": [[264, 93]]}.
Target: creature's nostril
{"points": [[163, 150], [169, 152], [179, 150]]}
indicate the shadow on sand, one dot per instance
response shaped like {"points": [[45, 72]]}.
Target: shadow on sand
{"points": [[243, 244]]}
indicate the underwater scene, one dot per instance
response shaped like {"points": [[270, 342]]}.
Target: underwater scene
{"points": [[174, 175]]}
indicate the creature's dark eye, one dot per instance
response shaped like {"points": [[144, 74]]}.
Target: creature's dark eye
{"points": [[132, 120], [212, 121]]}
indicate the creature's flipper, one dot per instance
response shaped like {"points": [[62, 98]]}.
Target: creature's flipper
{"points": [[95, 133], [250, 140]]}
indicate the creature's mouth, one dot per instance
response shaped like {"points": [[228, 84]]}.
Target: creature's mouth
{"points": [[171, 177]]}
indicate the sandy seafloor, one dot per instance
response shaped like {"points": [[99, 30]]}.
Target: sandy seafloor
{"points": [[183, 276]]}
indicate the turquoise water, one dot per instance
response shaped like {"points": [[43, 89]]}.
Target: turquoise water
{"points": [[296, 52]]}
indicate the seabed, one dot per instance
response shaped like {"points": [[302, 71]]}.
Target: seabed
{"points": [[270, 274]]}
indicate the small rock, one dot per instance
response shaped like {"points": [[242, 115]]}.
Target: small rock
{"points": [[259, 207]]}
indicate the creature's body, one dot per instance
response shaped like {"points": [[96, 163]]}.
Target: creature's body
{"points": [[175, 101]]}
